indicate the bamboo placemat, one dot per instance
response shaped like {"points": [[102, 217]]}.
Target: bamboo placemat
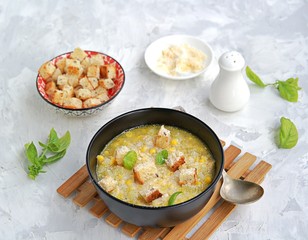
{"points": [[236, 164]]}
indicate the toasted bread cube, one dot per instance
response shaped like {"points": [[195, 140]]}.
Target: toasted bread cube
{"points": [[162, 140], [46, 70], [120, 153], [93, 82], [188, 176], [85, 64], [150, 194], [50, 88], [104, 71], [91, 102], [106, 83], [97, 60], [73, 80], [83, 93], [102, 97], [61, 63], [62, 80], [85, 83], [112, 73], [68, 91], [145, 171], [58, 97], [74, 103], [73, 67], [161, 201], [175, 160], [56, 74], [93, 71], [108, 183], [99, 90], [78, 54]]}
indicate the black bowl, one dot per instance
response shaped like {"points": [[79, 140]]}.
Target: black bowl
{"points": [[167, 216]]}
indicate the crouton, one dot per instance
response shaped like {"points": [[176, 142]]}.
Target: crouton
{"points": [[150, 194], [91, 102], [73, 67], [68, 91], [85, 64], [99, 90], [112, 73], [162, 140], [62, 80], [93, 71], [50, 88], [144, 171], [106, 83], [97, 60], [93, 82], [120, 153], [73, 103], [78, 54], [188, 176], [85, 83], [175, 160], [56, 74], [46, 70], [161, 201], [61, 63], [72, 80], [108, 183], [102, 97], [103, 71], [58, 97], [83, 93]]}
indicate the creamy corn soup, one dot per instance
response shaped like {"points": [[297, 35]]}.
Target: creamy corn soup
{"points": [[155, 165]]}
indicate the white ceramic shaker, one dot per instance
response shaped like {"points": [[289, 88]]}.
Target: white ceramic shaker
{"points": [[229, 91]]}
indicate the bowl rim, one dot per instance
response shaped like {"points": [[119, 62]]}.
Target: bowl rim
{"points": [[176, 37], [82, 109], [213, 183]]}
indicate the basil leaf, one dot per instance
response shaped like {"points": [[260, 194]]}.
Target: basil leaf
{"points": [[288, 89], [161, 157], [31, 152], [254, 77], [129, 160], [60, 144], [288, 135], [55, 157], [53, 136], [172, 198]]}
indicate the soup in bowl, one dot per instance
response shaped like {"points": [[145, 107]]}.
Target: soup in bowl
{"points": [[155, 167]]}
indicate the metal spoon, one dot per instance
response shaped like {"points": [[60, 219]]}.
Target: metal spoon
{"points": [[238, 191]]}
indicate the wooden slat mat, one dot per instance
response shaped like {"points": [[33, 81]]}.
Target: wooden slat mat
{"points": [[236, 164]]}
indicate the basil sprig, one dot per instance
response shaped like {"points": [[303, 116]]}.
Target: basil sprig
{"points": [[52, 151], [161, 157], [288, 89], [288, 135]]}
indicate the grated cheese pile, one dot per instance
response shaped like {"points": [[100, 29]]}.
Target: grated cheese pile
{"points": [[183, 59]]}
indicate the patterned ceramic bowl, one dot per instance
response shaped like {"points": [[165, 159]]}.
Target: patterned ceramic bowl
{"points": [[112, 93]]}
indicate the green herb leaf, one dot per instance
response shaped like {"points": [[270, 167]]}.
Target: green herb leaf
{"points": [[254, 77], [288, 135], [129, 160], [31, 152], [161, 157], [60, 144], [53, 136], [55, 157], [288, 89], [172, 198]]}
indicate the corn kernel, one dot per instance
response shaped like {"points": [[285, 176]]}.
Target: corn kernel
{"points": [[174, 142], [128, 134], [208, 179], [143, 149], [152, 150], [128, 182], [106, 153], [100, 159], [172, 149], [198, 183]]}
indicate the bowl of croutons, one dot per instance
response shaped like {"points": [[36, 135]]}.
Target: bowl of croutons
{"points": [[81, 82], [155, 166]]}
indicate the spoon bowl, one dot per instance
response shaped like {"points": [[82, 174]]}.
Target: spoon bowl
{"points": [[238, 191]]}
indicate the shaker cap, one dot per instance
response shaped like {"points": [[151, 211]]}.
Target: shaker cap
{"points": [[231, 61]]}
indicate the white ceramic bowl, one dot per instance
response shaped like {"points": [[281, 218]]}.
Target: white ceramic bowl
{"points": [[154, 50]]}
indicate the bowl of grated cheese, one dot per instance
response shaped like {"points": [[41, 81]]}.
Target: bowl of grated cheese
{"points": [[178, 57]]}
